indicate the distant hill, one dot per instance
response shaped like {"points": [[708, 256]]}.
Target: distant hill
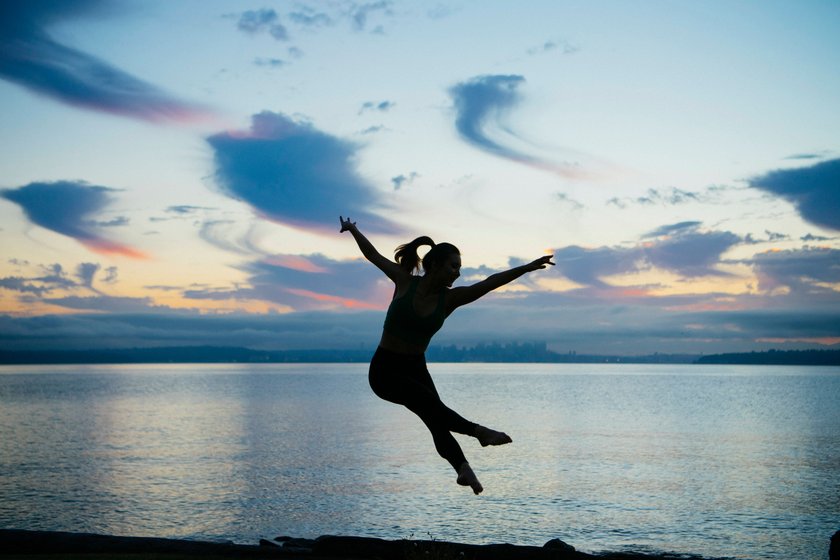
{"points": [[777, 357]]}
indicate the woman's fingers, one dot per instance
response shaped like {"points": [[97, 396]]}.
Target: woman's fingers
{"points": [[345, 224]]}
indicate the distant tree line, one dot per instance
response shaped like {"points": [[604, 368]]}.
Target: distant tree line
{"points": [[777, 357], [512, 352]]}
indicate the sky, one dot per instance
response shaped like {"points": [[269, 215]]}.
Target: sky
{"points": [[173, 173]]}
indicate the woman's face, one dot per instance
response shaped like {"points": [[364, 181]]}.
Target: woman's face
{"points": [[448, 271]]}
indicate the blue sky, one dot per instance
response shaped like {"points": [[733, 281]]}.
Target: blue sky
{"points": [[173, 172]]}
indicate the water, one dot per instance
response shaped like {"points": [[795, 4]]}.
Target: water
{"points": [[742, 462]]}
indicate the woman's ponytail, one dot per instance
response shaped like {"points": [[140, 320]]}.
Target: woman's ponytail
{"points": [[406, 255]]}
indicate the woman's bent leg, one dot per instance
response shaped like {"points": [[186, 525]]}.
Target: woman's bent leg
{"points": [[405, 380]]}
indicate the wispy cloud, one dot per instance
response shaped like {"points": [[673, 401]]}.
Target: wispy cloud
{"points": [[402, 180], [360, 14], [31, 58], [262, 20], [482, 105], [380, 106], [308, 17], [813, 190], [292, 173], [484, 101], [671, 196], [270, 62], [567, 200], [69, 208], [554, 46], [45, 280]]}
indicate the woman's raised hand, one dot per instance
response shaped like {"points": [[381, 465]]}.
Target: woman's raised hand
{"points": [[346, 225], [540, 262]]}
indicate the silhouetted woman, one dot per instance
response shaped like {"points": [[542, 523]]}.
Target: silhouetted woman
{"points": [[420, 304]]}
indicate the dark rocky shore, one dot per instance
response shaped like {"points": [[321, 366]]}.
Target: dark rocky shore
{"points": [[18, 543], [25, 543]]}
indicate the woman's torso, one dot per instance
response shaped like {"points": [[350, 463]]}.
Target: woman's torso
{"points": [[413, 318]]}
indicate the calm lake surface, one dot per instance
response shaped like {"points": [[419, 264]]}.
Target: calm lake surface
{"points": [[736, 461]]}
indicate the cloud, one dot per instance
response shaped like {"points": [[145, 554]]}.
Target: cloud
{"points": [[481, 108], [689, 252], [360, 13], [381, 106], [270, 62], [372, 130], [402, 180], [801, 270], [308, 17], [49, 279], [105, 303], [564, 198], [66, 207], [554, 46], [30, 58], [482, 101], [589, 266], [263, 20], [305, 282], [111, 274], [567, 321], [163, 327], [819, 155], [292, 173], [812, 237], [341, 305], [670, 229], [185, 209], [86, 273], [222, 234], [662, 197], [815, 191], [681, 248]]}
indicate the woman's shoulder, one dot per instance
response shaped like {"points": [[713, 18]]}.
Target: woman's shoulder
{"points": [[404, 282]]}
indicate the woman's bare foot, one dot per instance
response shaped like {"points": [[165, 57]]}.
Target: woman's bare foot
{"points": [[486, 437], [466, 477]]}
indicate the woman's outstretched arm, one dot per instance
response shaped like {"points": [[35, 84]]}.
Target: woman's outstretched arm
{"points": [[468, 294], [391, 269]]}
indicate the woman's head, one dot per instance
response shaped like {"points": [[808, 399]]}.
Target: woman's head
{"points": [[439, 254]]}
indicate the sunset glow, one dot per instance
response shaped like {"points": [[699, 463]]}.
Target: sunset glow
{"points": [[179, 170]]}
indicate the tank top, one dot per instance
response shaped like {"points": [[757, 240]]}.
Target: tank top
{"points": [[403, 321]]}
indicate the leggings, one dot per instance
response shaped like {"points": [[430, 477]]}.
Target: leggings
{"points": [[404, 379]]}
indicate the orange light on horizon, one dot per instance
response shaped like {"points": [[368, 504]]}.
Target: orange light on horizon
{"points": [[821, 340], [326, 298]]}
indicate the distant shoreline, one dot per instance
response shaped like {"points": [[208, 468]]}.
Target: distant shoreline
{"points": [[485, 353]]}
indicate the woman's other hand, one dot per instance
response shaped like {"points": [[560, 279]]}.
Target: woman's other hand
{"points": [[540, 263], [346, 225]]}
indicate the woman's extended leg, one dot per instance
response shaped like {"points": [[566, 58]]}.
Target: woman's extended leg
{"points": [[440, 420]]}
